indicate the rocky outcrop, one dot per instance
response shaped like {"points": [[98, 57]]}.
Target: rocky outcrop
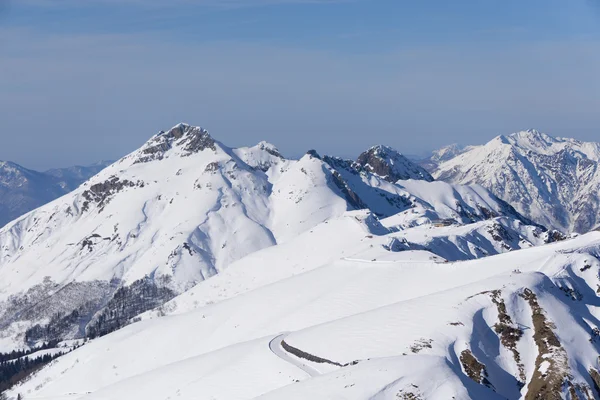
{"points": [[391, 165], [101, 193], [473, 368], [191, 139], [551, 366]]}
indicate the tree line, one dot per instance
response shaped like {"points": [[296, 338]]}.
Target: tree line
{"points": [[13, 371], [13, 355]]}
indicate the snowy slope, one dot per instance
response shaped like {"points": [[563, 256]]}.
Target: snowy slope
{"points": [[180, 210], [510, 326], [465, 204], [553, 181], [163, 218], [464, 242], [358, 236], [22, 190]]}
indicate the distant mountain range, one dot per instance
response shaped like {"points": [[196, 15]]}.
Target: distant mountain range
{"points": [[553, 181], [22, 189]]}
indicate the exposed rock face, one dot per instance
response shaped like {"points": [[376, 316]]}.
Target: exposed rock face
{"points": [[269, 148], [552, 366], [351, 197], [196, 139], [508, 332], [191, 139], [100, 193], [313, 153], [391, 165], [553, 181], [473, 368]]}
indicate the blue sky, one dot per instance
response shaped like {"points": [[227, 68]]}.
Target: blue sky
{"points": [[83, 80]]}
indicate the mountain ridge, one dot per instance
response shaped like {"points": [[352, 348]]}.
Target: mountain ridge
{"points": [[192, 267], [553, 181], [182, 208]]}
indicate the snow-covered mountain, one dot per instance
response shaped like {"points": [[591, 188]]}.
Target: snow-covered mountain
{"points": [[553, 181], [184, 207], [335, 313], [437, 157], [71, 177], [392, 166], [22, 190]]}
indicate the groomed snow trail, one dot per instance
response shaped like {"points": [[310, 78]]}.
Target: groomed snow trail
{"points": [[275, 347]]}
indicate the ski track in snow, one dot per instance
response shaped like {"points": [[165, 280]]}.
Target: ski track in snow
{"points": [[275, 347]]}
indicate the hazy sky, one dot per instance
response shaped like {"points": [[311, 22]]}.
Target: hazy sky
{"points": [[84, 80]]}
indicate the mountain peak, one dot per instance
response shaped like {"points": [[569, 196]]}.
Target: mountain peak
{"points": [[532, 138], [531, 134], [269, 148], [499, 140], [187, 139], [391, 164], [447, 152], [384, 151], [10, 165], [313, 153], [182, 129], [546, 178]]}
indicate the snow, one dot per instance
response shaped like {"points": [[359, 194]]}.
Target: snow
{"points": [[553, 181], [277, 349], [184, 208], [394, 318], [544, 367], [296, 279]]}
